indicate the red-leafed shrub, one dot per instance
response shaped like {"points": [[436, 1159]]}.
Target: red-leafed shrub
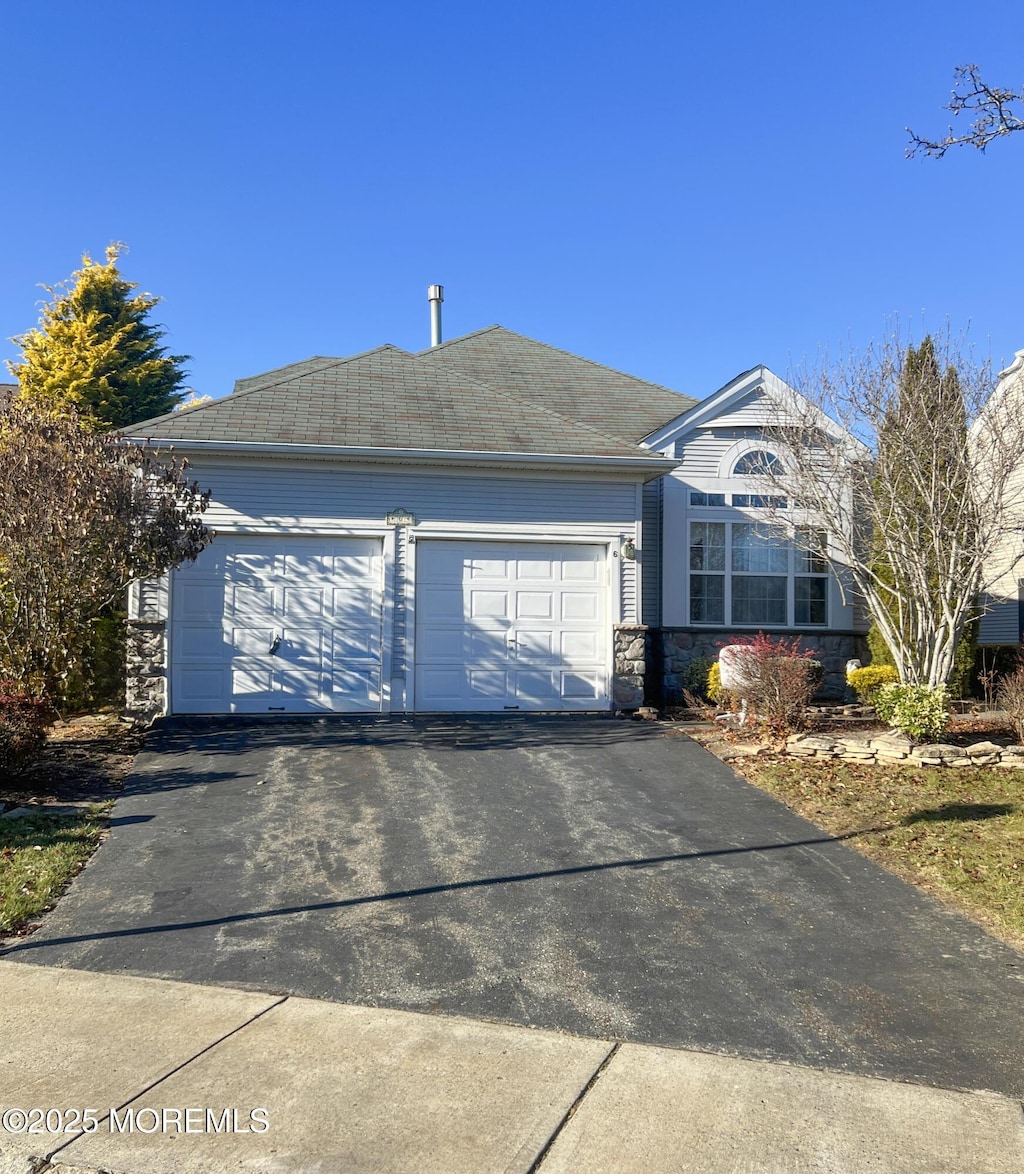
{"points": [[23, 724], [778, 680]]}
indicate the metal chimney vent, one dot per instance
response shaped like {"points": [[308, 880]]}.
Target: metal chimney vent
{"points": [[435, 296]]}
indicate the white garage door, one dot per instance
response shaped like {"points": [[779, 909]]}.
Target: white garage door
{"points": [[511, 626], [278, 625]]}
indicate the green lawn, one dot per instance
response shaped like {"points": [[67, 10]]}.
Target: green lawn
{"points": [[957, 832], [39, 855]]}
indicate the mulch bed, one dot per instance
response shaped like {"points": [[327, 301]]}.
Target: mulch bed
{"points": [[85, 760]]}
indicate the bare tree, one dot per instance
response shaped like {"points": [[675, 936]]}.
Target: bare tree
{"points": [[82, 514], [997, 110], [915, 490]]}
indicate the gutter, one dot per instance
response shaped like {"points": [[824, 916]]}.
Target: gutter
{"points": [[653, 466]]}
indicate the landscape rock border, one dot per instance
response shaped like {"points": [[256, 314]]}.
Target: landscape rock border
{"points": [[892, 747]]}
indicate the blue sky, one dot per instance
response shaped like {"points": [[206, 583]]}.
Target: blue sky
{"points": [[678, 192]]}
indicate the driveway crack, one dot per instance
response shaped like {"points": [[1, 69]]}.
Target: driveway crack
{"points": [[571, 1111]]}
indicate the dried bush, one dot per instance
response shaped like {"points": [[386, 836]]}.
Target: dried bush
{"points": [[1011, 698], [780, 680], [23, 724], [82, 514]]}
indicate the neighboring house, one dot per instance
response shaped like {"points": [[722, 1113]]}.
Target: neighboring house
{"points": [[1003, 621], [477, 527], [7, 393]]}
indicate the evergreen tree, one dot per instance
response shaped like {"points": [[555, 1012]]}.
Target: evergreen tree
{"points": [[95, 350], [914, 590]]}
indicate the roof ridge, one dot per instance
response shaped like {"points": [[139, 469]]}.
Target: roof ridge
{"points": [[562, 351]]}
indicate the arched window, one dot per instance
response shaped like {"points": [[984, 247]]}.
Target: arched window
{"points": [[757, 463]]}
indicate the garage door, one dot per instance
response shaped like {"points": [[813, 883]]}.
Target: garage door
{"points": [[278, 625], [511, 626]]}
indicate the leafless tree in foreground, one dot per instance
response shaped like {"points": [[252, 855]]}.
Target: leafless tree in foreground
{"points": [[82, 514], [997, 110], [916, 490]]}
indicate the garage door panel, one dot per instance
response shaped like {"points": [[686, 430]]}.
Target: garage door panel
{"points": [[580, 606], [302, 603], [535, 570], [582, 569], [361, 687], [579, 647], [440, 605], [200, 601], [355, 644], [278, 631], [538, 687], [488, 684], [580, 686], [249, 679], [488, 604], [445, 685], [353, 603], [538, 605], [534, 644], [249, 601], [528, 620], [251, 641], [483, 569]]}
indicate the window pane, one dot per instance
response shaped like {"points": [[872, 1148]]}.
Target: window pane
{"points": [[810, 559], [757, 464], [759, 599], [707, 546], [811, 602], [754, 548], [707, 599]]}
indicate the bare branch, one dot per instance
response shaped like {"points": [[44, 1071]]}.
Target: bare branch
{"points": [[992, 105]]}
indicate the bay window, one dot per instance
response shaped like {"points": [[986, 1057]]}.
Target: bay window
{"points": [[749, 574]]}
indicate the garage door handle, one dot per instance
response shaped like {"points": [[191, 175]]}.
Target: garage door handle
{"points": [[275, 644]]}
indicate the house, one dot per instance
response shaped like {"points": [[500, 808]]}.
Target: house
{"points": [[1003, 621], [7, 393], [492, 524]]}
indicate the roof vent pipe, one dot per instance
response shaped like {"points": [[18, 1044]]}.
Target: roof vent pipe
{"points": [[435, 296]]}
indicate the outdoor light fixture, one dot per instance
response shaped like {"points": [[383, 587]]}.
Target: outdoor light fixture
{"points": [[629, 549]]}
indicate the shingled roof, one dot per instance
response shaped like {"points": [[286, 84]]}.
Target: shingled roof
{"points": [[577, 388], [386, 398]]}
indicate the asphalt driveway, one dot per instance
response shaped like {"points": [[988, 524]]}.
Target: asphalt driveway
{"points": [[598, 876]]}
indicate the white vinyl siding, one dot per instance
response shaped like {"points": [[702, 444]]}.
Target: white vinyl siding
{"points": [[294, 496]]}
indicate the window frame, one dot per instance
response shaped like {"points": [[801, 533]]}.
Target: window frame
{"points": [[801, 595]]}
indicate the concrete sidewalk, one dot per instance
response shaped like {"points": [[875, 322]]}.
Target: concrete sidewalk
{"points": [[211, 1079]]}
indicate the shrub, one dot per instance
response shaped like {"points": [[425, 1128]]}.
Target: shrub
{"points": [[919, 711], [865, 682], [780, 681], [694, 677], [23, 723], [721, 697], [1011, 698]]}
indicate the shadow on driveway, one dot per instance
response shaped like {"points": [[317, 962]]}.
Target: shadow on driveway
{"points": [[586, 874]]}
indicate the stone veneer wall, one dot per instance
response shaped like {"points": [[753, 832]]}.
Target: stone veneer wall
{"points": [[146, 685], [631, 646], [680, 646]]}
